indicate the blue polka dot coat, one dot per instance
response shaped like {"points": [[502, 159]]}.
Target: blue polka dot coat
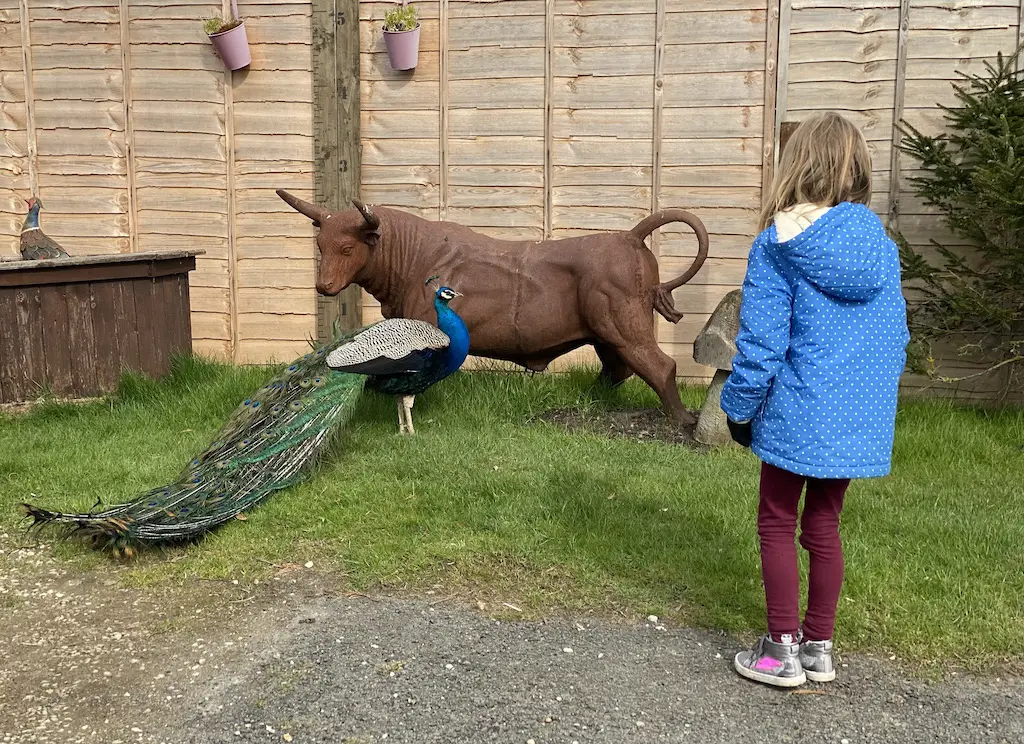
{"points": [[821, 347]]}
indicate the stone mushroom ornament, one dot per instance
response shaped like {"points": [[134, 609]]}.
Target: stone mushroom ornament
{"points": [[715, 346]]}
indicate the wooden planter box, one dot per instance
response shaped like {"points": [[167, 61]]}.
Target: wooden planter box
{"points": [[72, 326]]}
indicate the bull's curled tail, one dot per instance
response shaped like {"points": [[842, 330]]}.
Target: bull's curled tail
{"points": [[663, 301]]}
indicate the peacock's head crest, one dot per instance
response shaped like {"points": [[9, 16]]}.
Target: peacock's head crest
{"points": [[442, 294]]}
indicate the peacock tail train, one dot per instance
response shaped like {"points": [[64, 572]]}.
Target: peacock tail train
{"points": [[269, 443]]}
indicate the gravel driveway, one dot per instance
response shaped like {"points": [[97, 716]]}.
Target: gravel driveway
{"points": [[292, 660]]}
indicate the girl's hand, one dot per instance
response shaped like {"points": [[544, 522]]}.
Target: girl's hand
{"points": [[741, 432]]}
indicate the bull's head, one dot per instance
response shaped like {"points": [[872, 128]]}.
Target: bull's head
{"points": [[344, 238]]}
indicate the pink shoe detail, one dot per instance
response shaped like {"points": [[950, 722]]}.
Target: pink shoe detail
{"points": [[768, 664]]}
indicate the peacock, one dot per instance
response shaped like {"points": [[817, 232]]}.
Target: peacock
{"points": [[35, 244], [272, 439], [403, 369]]}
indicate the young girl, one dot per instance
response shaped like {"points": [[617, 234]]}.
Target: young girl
{"points": [[822, 344]]}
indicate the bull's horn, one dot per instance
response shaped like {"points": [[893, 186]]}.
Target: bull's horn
{"points": [[315, 213], [371, 219]]}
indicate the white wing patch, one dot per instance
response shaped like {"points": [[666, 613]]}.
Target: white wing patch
{"points": [[392, 338]]}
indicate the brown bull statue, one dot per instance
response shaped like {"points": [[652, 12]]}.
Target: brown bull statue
{"points": [[525, 301]]}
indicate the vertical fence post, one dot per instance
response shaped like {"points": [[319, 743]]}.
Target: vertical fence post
{"points": [[442, 103], [336, 136], [658, 117], [893, 216], [549, 116], [776, 68], [229, 146]]}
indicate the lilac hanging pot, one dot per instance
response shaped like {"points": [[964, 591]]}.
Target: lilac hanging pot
{"points": [[233, 47], [403, 48], [231, 43]]}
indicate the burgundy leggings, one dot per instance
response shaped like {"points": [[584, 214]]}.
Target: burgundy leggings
{"points": [[819, 535]]}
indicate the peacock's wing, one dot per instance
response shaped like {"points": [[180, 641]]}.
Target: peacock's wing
{"points": [[35, 245], [267, 444], [392, 346]]}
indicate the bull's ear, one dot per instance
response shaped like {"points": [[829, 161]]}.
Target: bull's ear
{"points": [[370, 236]]}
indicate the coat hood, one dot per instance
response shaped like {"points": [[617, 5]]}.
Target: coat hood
{"points": [[842, 253]]}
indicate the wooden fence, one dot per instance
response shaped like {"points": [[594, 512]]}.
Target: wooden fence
{"points": [[119, 114], [524, 118], [537, 118]]}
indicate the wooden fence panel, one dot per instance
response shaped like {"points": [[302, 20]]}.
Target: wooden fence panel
{"points": [[128, 127]]}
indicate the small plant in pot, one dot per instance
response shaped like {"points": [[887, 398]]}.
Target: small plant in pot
{"points": [[402, 36], [229, 39]]}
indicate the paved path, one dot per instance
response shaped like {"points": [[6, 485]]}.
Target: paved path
{"points": [[87, 660], [356, 670]]}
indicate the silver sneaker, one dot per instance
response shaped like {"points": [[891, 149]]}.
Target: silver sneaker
{"points": [[816, 659], [773, 663]]}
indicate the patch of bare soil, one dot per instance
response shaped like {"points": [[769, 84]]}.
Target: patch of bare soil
{"points": [[639, 424], [86, 659]]}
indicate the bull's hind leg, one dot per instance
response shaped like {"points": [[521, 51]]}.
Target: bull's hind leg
{"points": [[658, 370], [614, 370], [627, 328]]}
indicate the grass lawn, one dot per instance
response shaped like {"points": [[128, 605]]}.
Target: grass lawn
{"points": [[486, 504]]}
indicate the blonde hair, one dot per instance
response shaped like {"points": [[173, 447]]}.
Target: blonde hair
{"points": [[825, 162]]}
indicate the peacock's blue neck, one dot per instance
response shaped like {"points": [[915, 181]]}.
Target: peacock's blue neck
{"points": [[449, 321], [31, 219]]}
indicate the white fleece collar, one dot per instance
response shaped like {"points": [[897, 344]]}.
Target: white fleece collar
{"points": [[791, 222]]}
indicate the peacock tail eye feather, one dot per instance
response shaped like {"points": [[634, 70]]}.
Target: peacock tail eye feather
{"points": [[257, 453]]}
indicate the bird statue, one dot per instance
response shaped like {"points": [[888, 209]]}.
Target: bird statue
{"points": [[275, 435], [35, 244]]}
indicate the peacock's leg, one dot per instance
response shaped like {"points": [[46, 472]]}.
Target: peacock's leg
{"points": [[407, 402], [401, 414]]}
